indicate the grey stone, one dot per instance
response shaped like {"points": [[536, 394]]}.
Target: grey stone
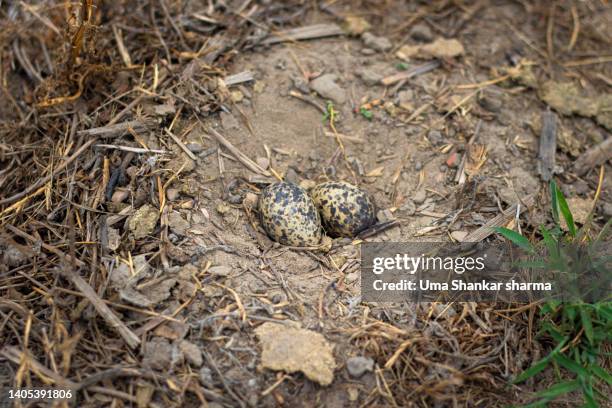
{"points": [[376, 43], [326, 86], [607, 210], [369, 76], [419, 197], [421, 32], [435, 137], [158, 353], [358, 366], [192, 353]]}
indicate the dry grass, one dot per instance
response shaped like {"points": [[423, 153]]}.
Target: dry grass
{"points": [[68, 68]]}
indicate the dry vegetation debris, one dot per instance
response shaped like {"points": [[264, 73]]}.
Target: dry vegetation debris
{"points": [[122, 275]]}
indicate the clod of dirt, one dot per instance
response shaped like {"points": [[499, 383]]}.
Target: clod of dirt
{"points": [[345, 209], [149, 296], [191, 352], [157, 353], [369, 76], [459, 235], [289, 215], [290, 349], [440, 48], [405, 100], [143, 222], [444, 48], [419, 197], [421, 32], [11, 255], [354, 25], [567, 99], [381, 44], [358, 366], [177, 223], [326, 86], [122, 275]]}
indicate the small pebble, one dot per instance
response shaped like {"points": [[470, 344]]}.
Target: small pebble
{"points": [[120, 195], [358, 366], [195, 147], [459, 235], [172, 194], [421, 32], [376, 43], [385, 215], [435, 137], [607, 210], [419, 197], [263, 162]]}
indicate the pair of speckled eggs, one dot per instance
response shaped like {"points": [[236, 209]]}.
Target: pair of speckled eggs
{"points": [[292, 217]]}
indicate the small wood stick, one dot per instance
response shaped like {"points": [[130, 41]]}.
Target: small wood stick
{"points": [[500, 220], [181, 145], [250, 164], [107, 314], [548, 146]]}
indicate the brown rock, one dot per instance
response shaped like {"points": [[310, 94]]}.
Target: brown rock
{"points": [[291, 349]]}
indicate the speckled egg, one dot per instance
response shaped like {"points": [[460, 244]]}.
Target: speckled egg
{"points": [[289, 216], [345, 209]]}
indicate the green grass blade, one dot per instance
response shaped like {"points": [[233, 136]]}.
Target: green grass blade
{"points": [[553, 202], [560, 389], [587, 324], [549, 241], [566, 212], [543, 403], [533, 370], [515, 238], [571, 365], [601, 373]]}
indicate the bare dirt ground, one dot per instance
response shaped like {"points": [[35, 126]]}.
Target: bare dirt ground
{"points": [[217, 313]]}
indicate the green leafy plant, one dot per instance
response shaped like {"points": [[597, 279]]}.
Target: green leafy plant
{"points": [[366, 113], [330, 114], [579, 327], [401, 66]]}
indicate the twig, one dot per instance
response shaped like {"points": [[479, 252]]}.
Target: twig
{"points": [[107, 314], [500, 220], [304, 33], [132, 149], [181, 145], [118, 129], [308, 100], [244, 76], [344, 137], [416, 71], [548, 146], [595, 156], [250, 164], [16, 356]]}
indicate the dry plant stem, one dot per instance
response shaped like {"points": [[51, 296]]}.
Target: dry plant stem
{"points": [[244, 159], [45, 179], [305, 33], [107, 314], [593, 157], [548, 145], [118, 129], [500, 220]]}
